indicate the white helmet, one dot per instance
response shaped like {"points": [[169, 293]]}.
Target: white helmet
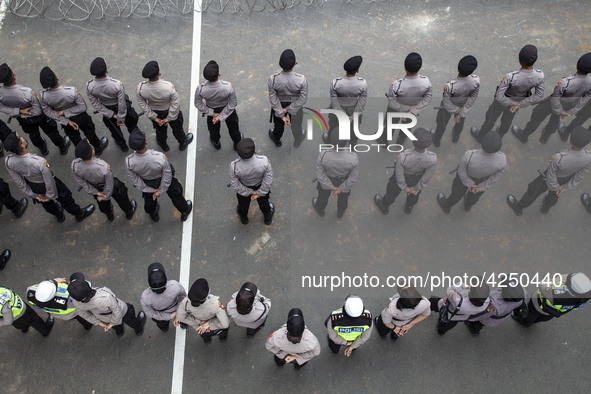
{"points": [[45, 291], [579, 283], [354, 306]]}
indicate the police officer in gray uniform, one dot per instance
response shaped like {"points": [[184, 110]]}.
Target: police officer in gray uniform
{"points": [[569, 96], [251, 177], [67, 106], [21, 103], [513, 93], [95, 177], [249, 308], [288, 92], [411, 93], [107, 96], [34, 177], [459, 95], [160, 102], [220, 104], [337, 172], [151, 172], [413, 169], [477, 171], [566, 170], [17, 207]]}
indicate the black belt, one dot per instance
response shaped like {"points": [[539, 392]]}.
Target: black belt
{"points": [[155, 183], [255, 187], [478, 181], [338, 180], [527, 94], [168, 307], [98, 186], [105, 314]]}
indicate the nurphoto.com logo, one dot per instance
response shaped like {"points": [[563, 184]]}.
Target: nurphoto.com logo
{"points": [[345, 122]]}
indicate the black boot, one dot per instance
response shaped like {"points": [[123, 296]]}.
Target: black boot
{"points": [[64, 148], [129, 215], [586, 200], [21, 207], [154, 215], [44, 149], [269, 216], [514, 204], [101, 148], [60, 213], [183, 145], [4, 257], [236, 142], [442, 201], [186, 214], [243, 218], [377, 199], [86, 212]]}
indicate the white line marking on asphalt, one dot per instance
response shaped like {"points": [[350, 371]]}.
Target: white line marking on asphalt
{"points": [[3, 7]]}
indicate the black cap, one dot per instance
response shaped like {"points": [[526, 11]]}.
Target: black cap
{"points": [[137, 139], [211, 71], [156, 276], [12, 142], [528, 55], [467, 65], [79, 288], [98, 67], [83, 150], [245, 298], [287, 59], [424, 138], [580, 137], [199, 291], [5, 73], [245, 148], [513, 291], [352, 65], [584, 63], [151, 69], [492, 142], [47, 78], [413, 62], [295, 323]]}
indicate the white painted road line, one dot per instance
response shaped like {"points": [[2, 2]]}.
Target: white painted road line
{"points": [[3, 7]]}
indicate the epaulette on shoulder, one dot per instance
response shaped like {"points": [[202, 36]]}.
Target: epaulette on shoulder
{"points": [[336, 316]]}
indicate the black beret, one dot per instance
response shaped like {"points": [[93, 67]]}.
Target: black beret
{"points": [[513, 291], [424, 138], [287, 59], [156, 276], [245, 148], [295, 323], [467, 65], [151, 69], [580, 137], [492, 142], [245, 298], [83, 150], [5, 73], [199, 290], [77, 276], [78, 288], [12, 142], [528, 55], [584, 63], [137, 139], [352, 64], [211, 71], [413, 62], [47, 78], [98, 67]]}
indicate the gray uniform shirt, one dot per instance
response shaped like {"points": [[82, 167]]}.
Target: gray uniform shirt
{"points": [[62, 98], [339, 340], [216, 94], [341, 164], [149, 165], [568, 163], [103, 307], [400, 317], [161, 306], [256, 317], [499, 309], [467, 309], [573, 91], [348, 94], [287, 87], [211, 311], [279, 345], [476, 163], [460, 93], [250, 172], [517, 84], [90, 173], [107, 91], [32, 168], [158, 95], [410, 91], [411, 162], [14, 98]]}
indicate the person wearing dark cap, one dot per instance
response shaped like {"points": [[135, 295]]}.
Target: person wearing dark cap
{"points": [[151, 172], [412, 171], [159, 100], [348, 94], [107, 96], [406, 309], [94, 175], [513, 93], [4, 131], [216, 98], [569, 97], [67, 107], [17, 207], [15, 312], [204, 312], [293, 342], [459, 95], [100, 307], [33, 176], [566, 170], [251, 177], [411, 93], [249, 308], [161, 300], [337, 172], [288, 92], [20, 102], [349, 326], [478, 171], [4, 257]]}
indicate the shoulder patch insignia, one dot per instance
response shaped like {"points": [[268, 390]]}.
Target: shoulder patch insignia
{"points": [[46, 163]]}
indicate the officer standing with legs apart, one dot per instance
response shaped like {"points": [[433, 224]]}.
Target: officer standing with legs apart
{"points": [[17, 207], [413, 169], [349, 326], [249, 308], [405, 310], [95, 177], [584, 113], [13, 310], [161, 300], [151, 172]]}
